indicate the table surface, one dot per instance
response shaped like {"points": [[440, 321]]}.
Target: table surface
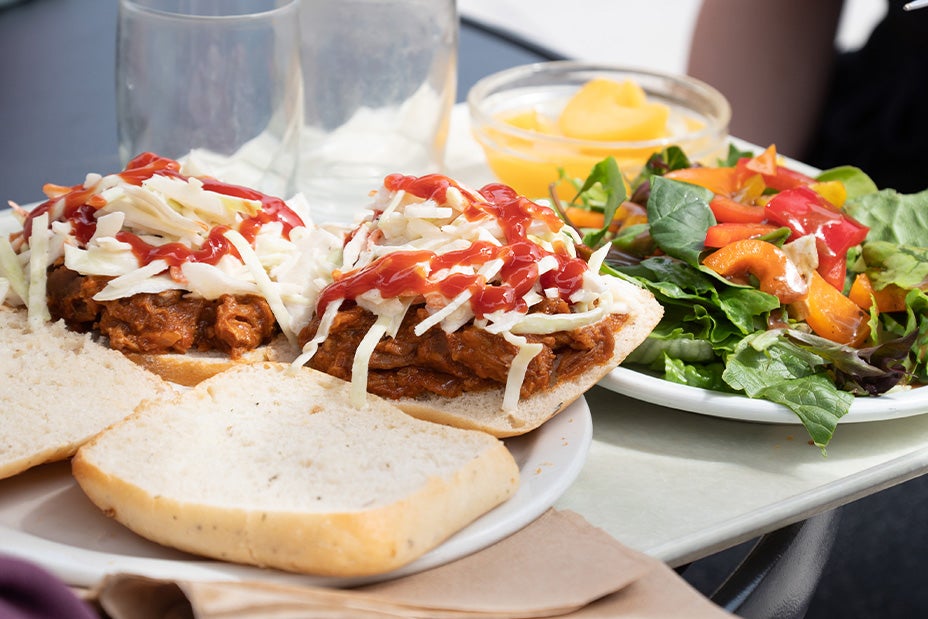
{"points": [[676, 485]]}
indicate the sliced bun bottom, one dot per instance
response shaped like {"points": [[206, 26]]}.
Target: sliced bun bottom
{"points": [[58, 389], [272, 467], [482, 410]]}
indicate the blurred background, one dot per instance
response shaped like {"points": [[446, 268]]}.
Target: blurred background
{"points": [[624, 31]]}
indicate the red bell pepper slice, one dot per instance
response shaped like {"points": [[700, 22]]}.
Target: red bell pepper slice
{"points": [[804, 212], [776, 176], [787, 178], [727, 210]]}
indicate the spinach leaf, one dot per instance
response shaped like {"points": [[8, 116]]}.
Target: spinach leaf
{"points": [[607, 176], [861, 371], [633, 240], [733, 155], [658, 164], [679, 216], [747, 307]]}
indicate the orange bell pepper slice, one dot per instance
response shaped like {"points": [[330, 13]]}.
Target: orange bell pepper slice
{"points": [[724, 234], [832, 315], [889, 299], [720, 181], [775, 273], [764, 163], [627, 214], [584, 218]]}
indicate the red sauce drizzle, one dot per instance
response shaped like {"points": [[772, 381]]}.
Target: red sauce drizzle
{"points": [[429, 187], [515, 213], [80, 206], [146, 165], [413, 273], [175, 254]]}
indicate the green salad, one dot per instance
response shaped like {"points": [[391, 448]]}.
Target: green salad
{"points": [[808, 291]]}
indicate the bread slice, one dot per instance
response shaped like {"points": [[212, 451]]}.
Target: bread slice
{"points": [[269, 465], [482, 410], [58, 389], [193, 367]]}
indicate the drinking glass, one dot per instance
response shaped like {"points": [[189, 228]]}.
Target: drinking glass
{"points": [[380, 79], [217, 82]]}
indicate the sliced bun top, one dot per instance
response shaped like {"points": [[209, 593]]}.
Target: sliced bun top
{"points": [[272, 466]]}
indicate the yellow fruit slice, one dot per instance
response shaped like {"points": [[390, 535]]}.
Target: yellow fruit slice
{"points": [[606, 110], [531, 120]]}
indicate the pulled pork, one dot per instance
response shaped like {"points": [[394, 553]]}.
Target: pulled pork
{"points": [[165, 322], [469, 359]]}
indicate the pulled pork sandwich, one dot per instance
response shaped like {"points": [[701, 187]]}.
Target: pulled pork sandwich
{"points": [[183, 273], [471, 308], [477, 309]]}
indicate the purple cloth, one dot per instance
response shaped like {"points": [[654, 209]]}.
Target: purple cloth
{"points": [[29, 592]]}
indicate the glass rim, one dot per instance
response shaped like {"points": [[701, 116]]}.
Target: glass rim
{"points": [[148, 8]]}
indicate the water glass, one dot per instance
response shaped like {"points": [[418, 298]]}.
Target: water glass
{"points": [[215, 81], [380, 79]]}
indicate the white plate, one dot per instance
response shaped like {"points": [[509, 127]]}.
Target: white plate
{"points": [[904, 403], [46, 518]]}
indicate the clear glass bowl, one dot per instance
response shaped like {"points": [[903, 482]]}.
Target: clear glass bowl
{"points": [[529, 161]]}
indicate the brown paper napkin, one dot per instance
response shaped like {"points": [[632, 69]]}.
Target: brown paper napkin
{"points": [[559, 566]]}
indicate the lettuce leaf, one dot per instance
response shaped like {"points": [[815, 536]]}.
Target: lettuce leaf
{"points": [[769, 366], [815, 400], [856, 182], [916, 327], [704, 376], [888, 263], [891, 216]]}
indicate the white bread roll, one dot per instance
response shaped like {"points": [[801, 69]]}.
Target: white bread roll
{"points": [[58, 389], [481, 410], [272, 467]]}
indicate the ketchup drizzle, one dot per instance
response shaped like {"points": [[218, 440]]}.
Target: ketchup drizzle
{"points": [[414, 273], [80, 205], [175, 254]]}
